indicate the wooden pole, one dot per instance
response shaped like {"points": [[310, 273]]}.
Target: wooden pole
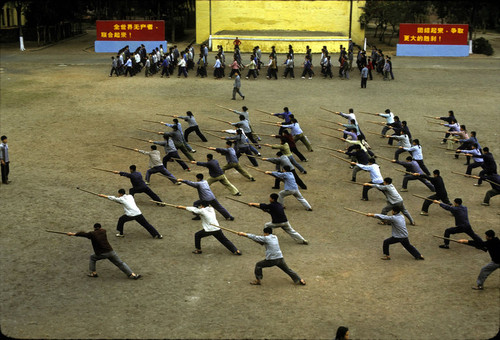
{"points": [[56, 232], [211, 134], [326, 134], [269, 113], [87, 191], [105, 170], [226, 229], [378, 123], [142, 140], [325, 120], [157, 132], [251, 167], [234, 199], [151, 121], [325, 109], [354, 182], [369, 113], [436, 123], [388, 146], [356, 211], [422, 197], [474, 177], [124, 147], [385, 158], [225, 108], [406, 172], [342, 159], [430, 117], [326, 148], [165, 204], [201, 146], [220, 120], [446, 238], [269, 123], [161, 114]]}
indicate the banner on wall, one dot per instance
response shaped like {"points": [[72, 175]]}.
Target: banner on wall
{"points": [[433, 40], [112, 35]]}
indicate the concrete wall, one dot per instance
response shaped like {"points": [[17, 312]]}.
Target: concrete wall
{"points": [[272, 15]]}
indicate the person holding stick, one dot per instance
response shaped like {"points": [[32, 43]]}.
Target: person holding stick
{"points": [[274, 257], [376, 177], [103, 250], [278, 217], [284, 148], [394, 199], [291, 187], [156, 165], [489, 165], [132, 212], [232, 160], [494, 181], [286, 115], [492, 245], [217, 174], [206, 195], [192, 126], [179, 127], [441, 194], [210, 227], [462, 224], [413, 172], [242, 146], [389, 119], [416, 152], [280, 162], [297, 133], [178, 140], [399, 234], [288, 138], [244, 124], [170, 152], [138, 184], [245, 114]]}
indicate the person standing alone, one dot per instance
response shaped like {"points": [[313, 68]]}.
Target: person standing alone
{"points": [[4, 160], [237, 86]]}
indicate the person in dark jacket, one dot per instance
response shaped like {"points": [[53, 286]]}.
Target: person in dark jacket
{"points": [[217, 174], [441, 194], [489, 165], [491, 245], [103, 250], [138, 184], [462, 224]]}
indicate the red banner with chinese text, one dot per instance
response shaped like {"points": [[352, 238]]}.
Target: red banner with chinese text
{"points": [[433, 34], [150, 30]]}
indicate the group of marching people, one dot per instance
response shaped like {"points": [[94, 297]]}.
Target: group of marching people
{"points": [[165, 63]]}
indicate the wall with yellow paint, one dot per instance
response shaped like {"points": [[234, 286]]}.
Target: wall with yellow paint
{"points": [[271, 15]]}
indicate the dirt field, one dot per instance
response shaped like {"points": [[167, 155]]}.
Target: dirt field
{"points": [[62, 113]]}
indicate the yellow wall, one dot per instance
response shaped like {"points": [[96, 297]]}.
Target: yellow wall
{"points": [[12, 13], [308, 15]]}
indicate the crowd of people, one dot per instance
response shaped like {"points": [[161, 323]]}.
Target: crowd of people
{"points": [[165, 63]]}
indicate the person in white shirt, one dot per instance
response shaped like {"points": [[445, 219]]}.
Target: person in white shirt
{"points": [[375, 175], [389, 117], [132, 212], [156, 165], [182, 67], [210, 227]]}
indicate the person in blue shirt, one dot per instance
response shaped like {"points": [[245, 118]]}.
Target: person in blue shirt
{"points": [[274, 256]]}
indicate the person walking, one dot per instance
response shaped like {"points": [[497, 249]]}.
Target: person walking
{"points": [[278, 217], [132, 212], [274, 257], [399, 234], [103, 250], [237, 86]]}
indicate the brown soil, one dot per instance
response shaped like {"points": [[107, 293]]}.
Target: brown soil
{"points": [[62, 114]]}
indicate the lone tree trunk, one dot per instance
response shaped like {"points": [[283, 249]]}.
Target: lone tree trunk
{"points": [[19, 8]]}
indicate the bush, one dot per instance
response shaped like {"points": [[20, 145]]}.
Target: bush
{"points": [[482, 46]]}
